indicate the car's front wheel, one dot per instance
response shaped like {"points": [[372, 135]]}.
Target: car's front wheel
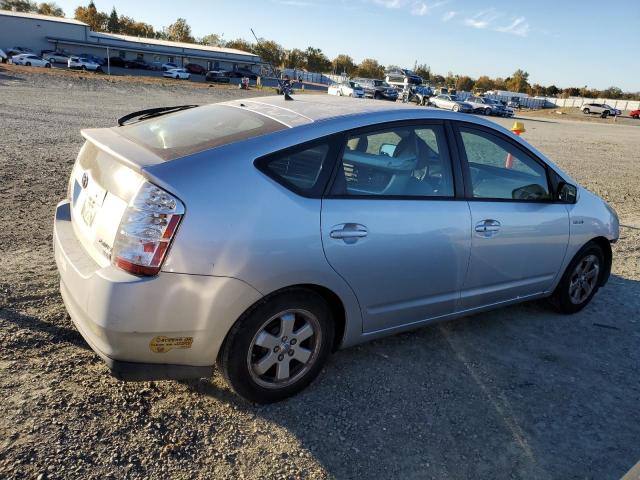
{"points": [[456, 108], [581, 280], [278, 347], [487, 111], [586, 111]]}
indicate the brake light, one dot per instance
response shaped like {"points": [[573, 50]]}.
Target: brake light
{"points": [[146, 230]]}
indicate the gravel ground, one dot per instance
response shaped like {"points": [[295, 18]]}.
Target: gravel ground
{"points": [[516, 393]]}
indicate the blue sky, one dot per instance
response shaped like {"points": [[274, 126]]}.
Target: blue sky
{"points": [[564, 42]]}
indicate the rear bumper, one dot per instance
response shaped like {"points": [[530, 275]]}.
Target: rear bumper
{"points": [[167, 326]]}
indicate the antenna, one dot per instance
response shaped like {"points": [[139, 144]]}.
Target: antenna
{"points": [[273, 71]]}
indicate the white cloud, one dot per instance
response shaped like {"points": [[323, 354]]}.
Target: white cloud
{"points": [[448, 15], [489, 19], [415, 7], [518, 26]]}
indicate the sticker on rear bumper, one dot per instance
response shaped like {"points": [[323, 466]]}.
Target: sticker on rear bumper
{"points": [[162, 344]]}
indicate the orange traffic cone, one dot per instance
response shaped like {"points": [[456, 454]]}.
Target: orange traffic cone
{"points": [[518, 128]]}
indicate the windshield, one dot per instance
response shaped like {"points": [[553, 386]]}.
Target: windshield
{"points": [[354, 85], [197, 129]]}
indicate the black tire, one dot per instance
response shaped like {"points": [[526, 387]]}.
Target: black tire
{"points": [[487, 111], [83, 68], [376, 96], [561, 298], [238, 349], [605, 114], [47, 65], [28, 64], [586, 111]]}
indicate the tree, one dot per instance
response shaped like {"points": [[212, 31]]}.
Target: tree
{"points": [[270, 52], [518, 82], [343, 64], [213, 40], [370, 68], [97, 21], [611, 92], [424, 71], [484, 83], [553, 90], [295, 59], [316, 60], [240, 44], [128, 26], [113, 24], [500, 84], [19, 5], [179, 31], [464, 84], [437, 80], [51, 9]]}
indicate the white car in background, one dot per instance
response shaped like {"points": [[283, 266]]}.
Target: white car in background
{"points": [[30, 60], [347, 89], [81, 63], [169, 66], [177, 73], [57, 57]]}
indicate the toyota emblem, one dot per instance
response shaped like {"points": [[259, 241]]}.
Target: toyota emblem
{"points": [[85, 180]]}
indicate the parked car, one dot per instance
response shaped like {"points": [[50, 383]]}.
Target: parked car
{"points": [[169, 66], [377, 89], [56, 57], [346, 89], [635, 114], [402, 76], [145, 232], [136, 64], [30, 60], [177, 73], [117, 62], [81, 63], [601, 109], [18, 51], [449, 102], [514, 102], [242, 73], [3, 56], [488, 106], [94, 58], [217, 76], [195, 68], [418, 94]]}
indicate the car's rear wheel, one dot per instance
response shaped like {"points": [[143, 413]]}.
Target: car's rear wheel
{"points": [[581, 280], [586, 111], [83, 68], [278, 347], [456, 108], [28, 64], [47, 65], [605, 114], [487, 111]]}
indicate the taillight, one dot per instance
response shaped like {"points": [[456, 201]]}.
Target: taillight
{"points": [[146, 230]]}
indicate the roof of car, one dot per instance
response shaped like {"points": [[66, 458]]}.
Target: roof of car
{"points": [[312, 108]]}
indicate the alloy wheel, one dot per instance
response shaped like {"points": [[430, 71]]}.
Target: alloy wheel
{"points": [[584, 279], [284, 348]]}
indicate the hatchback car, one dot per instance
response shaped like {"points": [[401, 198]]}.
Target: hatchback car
{"points": [[82, 63], [262, 234]]}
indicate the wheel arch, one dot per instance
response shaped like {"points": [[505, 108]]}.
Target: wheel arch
{"points": [[605, 245], [333, 300]]}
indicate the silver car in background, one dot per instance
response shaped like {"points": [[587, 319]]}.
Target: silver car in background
{"points": [[450, 102], [262, 234]]}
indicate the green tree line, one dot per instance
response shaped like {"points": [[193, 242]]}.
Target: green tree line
{"points": [[311, 59]]}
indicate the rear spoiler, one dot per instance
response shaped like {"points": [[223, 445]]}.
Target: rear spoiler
{"points": [[122, 149]]}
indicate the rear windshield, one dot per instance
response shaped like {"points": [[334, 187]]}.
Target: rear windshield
{"points": [[197, 129]]}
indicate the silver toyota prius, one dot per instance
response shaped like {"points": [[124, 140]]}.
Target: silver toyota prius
{"points": [[262, 234]]}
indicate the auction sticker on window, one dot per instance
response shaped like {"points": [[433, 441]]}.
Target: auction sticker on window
{"points": [[162, 344]]}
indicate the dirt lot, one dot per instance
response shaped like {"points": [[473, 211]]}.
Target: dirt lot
{"points": [[517, 393]]}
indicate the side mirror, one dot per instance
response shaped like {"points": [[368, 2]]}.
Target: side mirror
{"points": [[387, 149], [567, 193]]}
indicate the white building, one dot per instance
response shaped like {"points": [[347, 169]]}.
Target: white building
{"points": [[41, 32]]}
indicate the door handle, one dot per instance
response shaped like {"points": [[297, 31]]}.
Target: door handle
{"points": [[349, 232], [487, 228]]}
